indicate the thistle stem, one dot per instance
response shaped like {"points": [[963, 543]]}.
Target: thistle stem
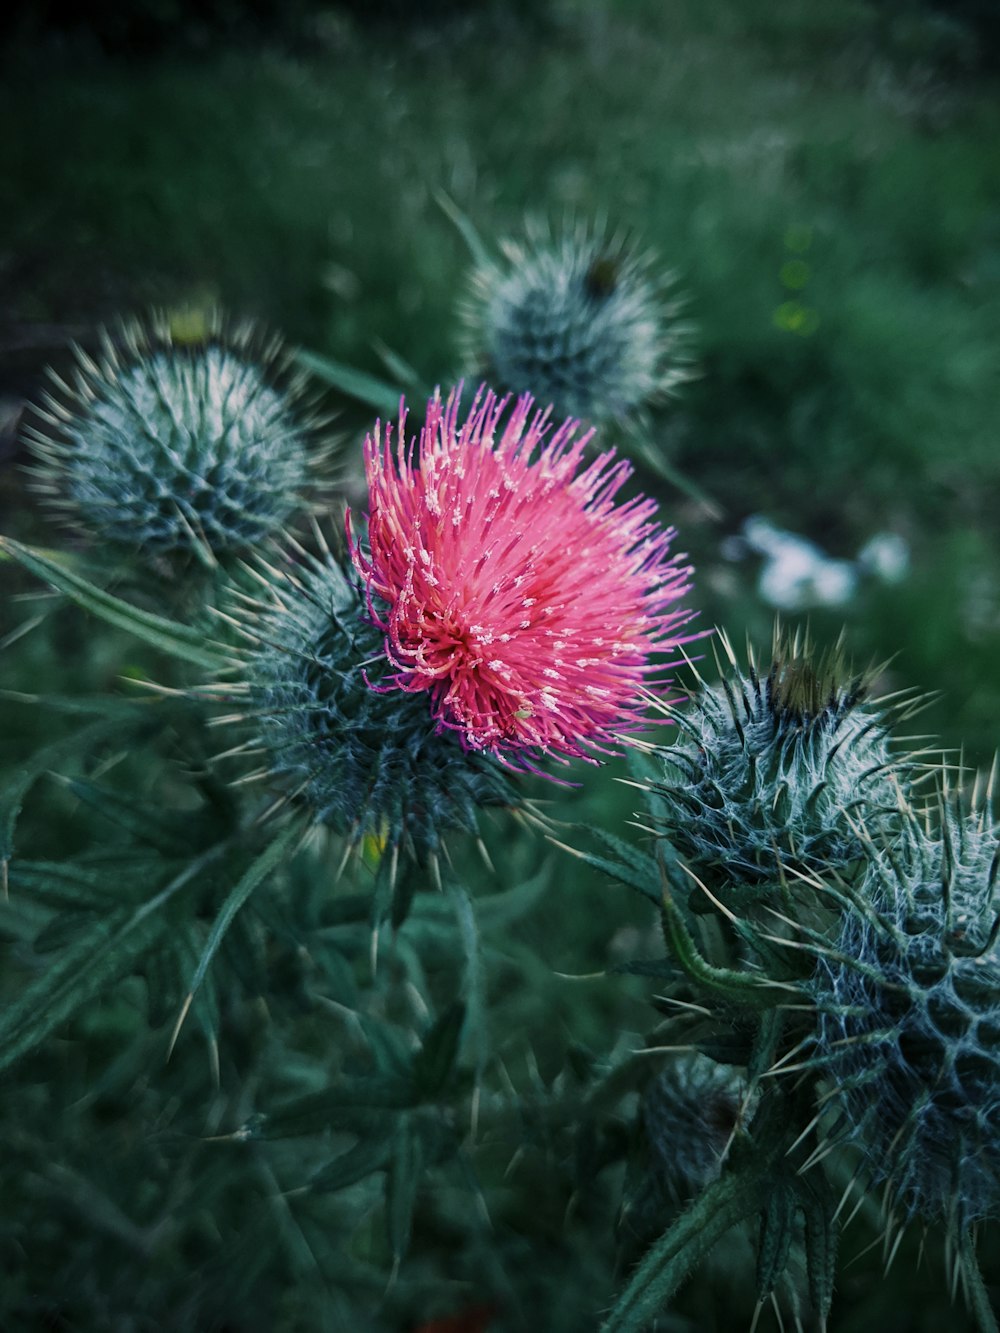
{"points": [[725, 1202]]}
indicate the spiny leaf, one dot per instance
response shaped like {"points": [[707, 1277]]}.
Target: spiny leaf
{"points": [[818, 1206], [147, 826], [777, 1229], [641, 863], [69, 885], [103, 954], [166, 635], [260, 868], [623, 871], [13, 794], [744, 987]]}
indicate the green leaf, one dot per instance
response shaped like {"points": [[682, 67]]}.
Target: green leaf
{"points": [[365, 1158], [777, 1230], [818, 1203], [476, 1036], [68, 885], [367, 389], [643, 867], [103, 954], [400, 369], [164, 833], [96, 705], [401, 1182], [464, 227], [166, 635], [260, 868], [338, 1107], [499, 911], [61, 930], [435, 1060], [624, 871], [24, 778]]}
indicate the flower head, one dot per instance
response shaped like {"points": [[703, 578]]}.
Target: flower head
{"points": [[580, 321], [186, 435], [909, 1018], [509, 585]]}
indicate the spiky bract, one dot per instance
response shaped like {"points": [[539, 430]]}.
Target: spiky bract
{"points": [[368, 761], [909, 1019], [525, 605], [186, 435], [775, 769], [579, 321]]}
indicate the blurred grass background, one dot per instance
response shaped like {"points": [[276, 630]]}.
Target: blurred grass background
{"points": [[822, 178]]}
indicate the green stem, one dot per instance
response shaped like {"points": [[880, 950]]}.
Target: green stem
{"points": [[725, 1202]]}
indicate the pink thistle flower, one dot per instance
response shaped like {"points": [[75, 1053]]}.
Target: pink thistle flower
{"points": [[510, 586]]}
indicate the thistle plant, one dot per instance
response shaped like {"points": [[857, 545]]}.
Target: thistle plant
{"points": [[909, 1018], [501, 610], [187, 435], [580, 320], [775, 767]]}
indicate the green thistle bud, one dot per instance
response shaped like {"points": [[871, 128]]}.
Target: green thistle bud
{"points": [[909, 1019], [775, 770], [579, 322], [184, 436], [371, 762], [689, 1113]]}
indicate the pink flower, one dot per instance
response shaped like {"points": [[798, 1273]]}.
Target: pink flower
{"points": [[508, 583]]}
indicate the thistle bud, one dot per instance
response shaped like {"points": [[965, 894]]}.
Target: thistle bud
{"points": [[909, 1018], [186, 435], [775, 769], [579, 321]]}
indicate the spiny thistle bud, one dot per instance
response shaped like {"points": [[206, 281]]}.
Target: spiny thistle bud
{"points": [[687, 1117], [368, 760], [775, 769], [909, 1018], [521, 603], [186, 435], [689, 1113], [579, 321]]}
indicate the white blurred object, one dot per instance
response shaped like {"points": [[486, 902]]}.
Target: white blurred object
{"points": [[886, 556], [797, 574]]}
